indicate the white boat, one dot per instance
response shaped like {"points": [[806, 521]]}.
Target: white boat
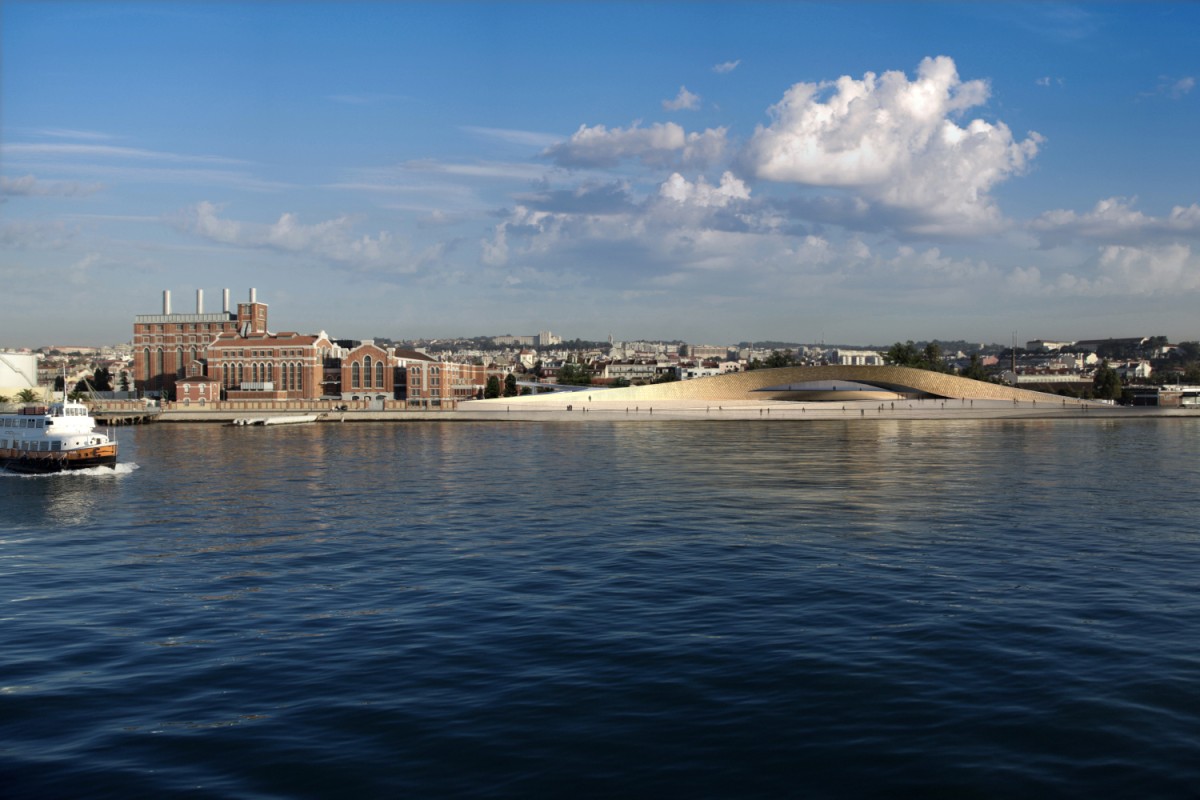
{"points": [[61, 436], [280, 419]]}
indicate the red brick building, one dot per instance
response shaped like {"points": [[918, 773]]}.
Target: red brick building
{"points": [[165, 345], [269, 366], [439, 383]]}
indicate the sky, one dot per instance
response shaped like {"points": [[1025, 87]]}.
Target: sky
{"points": [[707, 171]]}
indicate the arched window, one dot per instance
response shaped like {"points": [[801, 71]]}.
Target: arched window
{"points": [[158, 359], [379, 375], [300, 378], [291, 377], [355, 375], [367, 372], [149, 365], [179, 361]]}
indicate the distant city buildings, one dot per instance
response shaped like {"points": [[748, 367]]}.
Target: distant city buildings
{"points": [[202, 358]]}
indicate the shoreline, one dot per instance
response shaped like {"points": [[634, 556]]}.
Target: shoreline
{"points": [[777, 411]]}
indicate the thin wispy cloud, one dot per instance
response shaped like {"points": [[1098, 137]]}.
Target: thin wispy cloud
{"points": [[65, 133], [530, 138], [364, 98], [29, 186], [1171, 87], [725, 67], [55, 150]]}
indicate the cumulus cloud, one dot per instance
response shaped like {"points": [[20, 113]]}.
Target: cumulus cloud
{"points": [[333, 240], [701, 193], [660, 144], [1116, 220], [684, 101], [896, 142], [726, 67], [1159, 270], [1141, 271]]}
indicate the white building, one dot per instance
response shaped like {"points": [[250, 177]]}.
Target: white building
{"points": [[18, 372], [856, 358]]}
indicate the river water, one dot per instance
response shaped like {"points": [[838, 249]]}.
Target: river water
{"points": [[648, 609]]}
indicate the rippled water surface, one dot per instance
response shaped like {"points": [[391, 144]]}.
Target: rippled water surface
{"points": [[978, 609]]}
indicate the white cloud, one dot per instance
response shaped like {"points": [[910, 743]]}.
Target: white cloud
{"points": [[895, 141], [701, 193], [684, 101], [1182, 86], [332, 240], [660, 144], [1116, 220], [726, 67], [1161, 270]]}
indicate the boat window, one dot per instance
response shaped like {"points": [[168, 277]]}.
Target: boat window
{"points": [[56, 445]]}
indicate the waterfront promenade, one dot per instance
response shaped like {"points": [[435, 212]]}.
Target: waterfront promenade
{"points": [[574, 408]]}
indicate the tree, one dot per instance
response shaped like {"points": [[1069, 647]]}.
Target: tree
{"points": [[907, 355], [1190, 351], [27, 396], [903, 355], [510, 385], [975, 370], [933, 357], [778, 359], [124, 381], [572, 374], [102, 380], [669, 376], [58, 383], [1107, 383], [492, 389]]}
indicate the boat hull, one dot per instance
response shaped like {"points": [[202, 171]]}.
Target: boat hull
{"points": [[40, 463]]}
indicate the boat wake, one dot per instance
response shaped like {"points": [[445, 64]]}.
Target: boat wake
{"points": [[117, 471]]}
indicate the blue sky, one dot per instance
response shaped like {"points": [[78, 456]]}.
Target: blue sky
{"points": [[716, 172]]}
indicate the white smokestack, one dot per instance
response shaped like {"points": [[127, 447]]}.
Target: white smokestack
{"points": [[253, 295], [225, 301], [166, 301], [199, 301]]}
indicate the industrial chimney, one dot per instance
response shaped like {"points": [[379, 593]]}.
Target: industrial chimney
{"points": [[166, 302], [199, 301], [225, 301], [253, 295]]}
